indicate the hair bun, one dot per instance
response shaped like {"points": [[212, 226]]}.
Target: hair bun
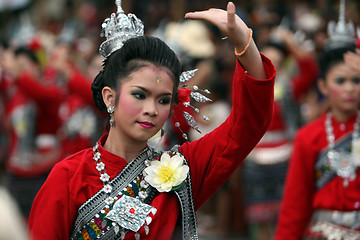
{"points": [[96, 88]]}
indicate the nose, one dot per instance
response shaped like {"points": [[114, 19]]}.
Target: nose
{"points": [[150, 108], [349, 86]]}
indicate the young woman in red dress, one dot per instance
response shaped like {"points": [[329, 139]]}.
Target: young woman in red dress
{"points": [[123, 188], [322, 195]]}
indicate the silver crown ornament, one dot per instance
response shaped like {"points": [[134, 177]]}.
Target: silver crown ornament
{"points": [[119, 28], [342, 33]]}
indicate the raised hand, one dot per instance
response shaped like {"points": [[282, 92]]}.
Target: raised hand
{"points": [[353, 59], [239, 34], [227, 21]]}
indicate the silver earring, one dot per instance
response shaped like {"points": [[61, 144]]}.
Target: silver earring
{"points": [[110, 110]]}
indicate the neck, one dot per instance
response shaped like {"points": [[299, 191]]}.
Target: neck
{"points": [[342, 116], [124, 148]]}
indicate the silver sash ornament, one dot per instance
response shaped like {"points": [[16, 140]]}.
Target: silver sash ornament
{"points": [[130, 213], [127, 212], [342, 162]]}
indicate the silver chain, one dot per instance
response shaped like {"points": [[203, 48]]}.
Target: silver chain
{"points": [[330, 131]]}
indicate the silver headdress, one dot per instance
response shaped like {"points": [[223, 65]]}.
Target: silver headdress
{"points": [[25, 32], [342, 33], [119, 28]]}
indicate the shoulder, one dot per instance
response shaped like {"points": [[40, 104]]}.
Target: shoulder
{"points": [[72, 162], [312, 131]]}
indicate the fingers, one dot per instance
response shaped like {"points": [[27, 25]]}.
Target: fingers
{"points": [[221, 18], [194, 15], [353, 59], [231, 15], [206, 14], [211, 15], [227, 21]]}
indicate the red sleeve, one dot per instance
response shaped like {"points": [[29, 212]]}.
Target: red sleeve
{"points": [[52, 213], [296, 209], [214, 157], [39, 92], [308, 72], [80, 85]]}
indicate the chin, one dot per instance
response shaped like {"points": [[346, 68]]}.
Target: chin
{"points": [[144, 137]]}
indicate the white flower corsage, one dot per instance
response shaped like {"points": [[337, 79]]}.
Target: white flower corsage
{"points": [[167, 174]]}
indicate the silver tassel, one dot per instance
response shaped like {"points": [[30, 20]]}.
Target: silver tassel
{"points": [[191, 121], [137, 236], [199, 97], [146, 227], [187, 75], [116, 229]]}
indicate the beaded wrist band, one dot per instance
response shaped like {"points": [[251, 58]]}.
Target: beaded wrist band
{"points": [[239, 54]]}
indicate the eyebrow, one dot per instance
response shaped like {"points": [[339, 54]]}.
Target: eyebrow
{"points": [[147, 91]]}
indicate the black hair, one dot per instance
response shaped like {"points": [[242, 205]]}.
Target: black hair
{"points": [[133, 55], [24, 51], [4, 44], [277, 44], [331, 57]]}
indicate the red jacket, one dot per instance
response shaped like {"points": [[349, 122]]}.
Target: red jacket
{"points": [[300, 197], [212, 159]]}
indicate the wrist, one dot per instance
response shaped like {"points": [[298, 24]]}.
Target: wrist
{"points": [[239, 54]]}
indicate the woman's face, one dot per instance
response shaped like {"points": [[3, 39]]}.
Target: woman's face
{"points": [[144, 103], [342, 87], [275, 55]]}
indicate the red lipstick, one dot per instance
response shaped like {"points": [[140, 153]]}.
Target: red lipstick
{"points": [[350, 99], [146, 124]]}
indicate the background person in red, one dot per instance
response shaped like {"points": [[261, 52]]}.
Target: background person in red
{"points": [[264, 170], [45, 120], [322, 196]]}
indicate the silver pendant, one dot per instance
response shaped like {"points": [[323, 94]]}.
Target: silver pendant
{"points": [[104, 223], [130, 213], [116, 229], [137, 236], [343, 164], [146, 227]]}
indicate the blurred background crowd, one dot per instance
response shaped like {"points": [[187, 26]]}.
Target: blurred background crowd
{"points": [[49, 57]]}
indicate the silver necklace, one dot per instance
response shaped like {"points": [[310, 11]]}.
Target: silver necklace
{"points": [[104, 177], [342, 162], [125, 206]]}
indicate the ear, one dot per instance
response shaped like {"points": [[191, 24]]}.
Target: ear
{"points": [[108, 95], [322, 87]]}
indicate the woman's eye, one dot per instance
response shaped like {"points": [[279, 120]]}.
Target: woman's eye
{"points": [[165, 101], [138, 95], [356, 80], [340, 80]]}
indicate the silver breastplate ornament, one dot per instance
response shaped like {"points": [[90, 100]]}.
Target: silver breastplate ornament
{"points": [[343, 162]]}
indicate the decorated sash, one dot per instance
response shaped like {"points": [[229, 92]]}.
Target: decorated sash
{"points": [[323, 171], [98, 220]]}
